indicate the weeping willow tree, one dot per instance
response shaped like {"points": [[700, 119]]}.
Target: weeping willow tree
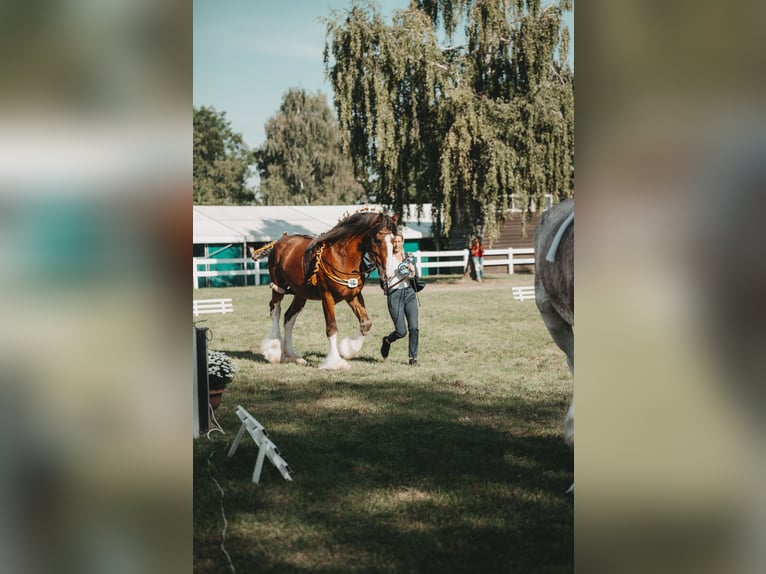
{"points": [[462, 122]]}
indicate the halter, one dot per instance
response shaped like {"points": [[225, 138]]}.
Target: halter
{"points": [[332, 273], [369, 260]]}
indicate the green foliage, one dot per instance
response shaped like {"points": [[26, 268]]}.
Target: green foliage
{"points": [[461, 127], [304, 158], [221, 161]]}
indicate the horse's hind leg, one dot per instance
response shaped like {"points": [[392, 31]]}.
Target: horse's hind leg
{"points": [[350, 347], [289, 354], [569, 425], [271, 346], [562, 334]]}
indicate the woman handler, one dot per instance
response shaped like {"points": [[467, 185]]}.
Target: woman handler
{"points": [[402, 301]]}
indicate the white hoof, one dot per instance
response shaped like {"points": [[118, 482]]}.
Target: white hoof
{"points": [[297, 359], [349, 348], [271, 349]]}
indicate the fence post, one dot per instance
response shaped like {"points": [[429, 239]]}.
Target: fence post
{"points": [[194, 273], [195, 383], [466, 254], [510, 260], [418, 263]]}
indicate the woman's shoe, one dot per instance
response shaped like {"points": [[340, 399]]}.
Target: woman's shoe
{"points": [[385, 347]]}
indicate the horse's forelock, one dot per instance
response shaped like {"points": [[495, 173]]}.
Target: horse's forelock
{"points": [[385, 221]]}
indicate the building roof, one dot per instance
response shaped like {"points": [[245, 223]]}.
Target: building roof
{"points": [[239, 223]]}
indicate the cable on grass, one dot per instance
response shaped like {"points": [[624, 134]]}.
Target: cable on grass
{"points": [[223, 514]]}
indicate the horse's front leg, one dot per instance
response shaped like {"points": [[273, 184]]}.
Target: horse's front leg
{"points": [[350, 347], [333, 361]]}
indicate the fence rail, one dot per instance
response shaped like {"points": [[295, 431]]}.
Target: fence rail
{"points": [[455, 259], [245, 266], [524, 292], [205, 306], [458, 259]]}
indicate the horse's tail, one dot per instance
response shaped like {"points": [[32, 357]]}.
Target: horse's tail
{"points": [[260, 253]]}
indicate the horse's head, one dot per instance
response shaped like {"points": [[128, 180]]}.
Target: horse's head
{"points": [[379, 245]]}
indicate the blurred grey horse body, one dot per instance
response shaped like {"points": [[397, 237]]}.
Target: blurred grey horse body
{"points": [[554, 284]]}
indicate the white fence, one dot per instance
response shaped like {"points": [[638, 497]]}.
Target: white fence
{"points": [[458, 259], [455, 260], [524, 293], [205, 306], [245, 266]]}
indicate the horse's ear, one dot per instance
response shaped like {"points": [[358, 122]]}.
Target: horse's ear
{"points": [[395, 219]]}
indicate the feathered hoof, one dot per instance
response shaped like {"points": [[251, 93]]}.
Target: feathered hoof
{"points": [[349, 348], [334, 365], [271, 349]]}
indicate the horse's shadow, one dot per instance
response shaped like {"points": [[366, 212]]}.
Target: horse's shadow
{"points": [[365, 359], [311, 357], [248, 356]]}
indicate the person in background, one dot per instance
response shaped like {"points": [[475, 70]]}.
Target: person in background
{"points": [[477, 255], [402, 301]]}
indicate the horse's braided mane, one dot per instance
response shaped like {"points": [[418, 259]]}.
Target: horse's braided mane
{"points": [[352, 225]]}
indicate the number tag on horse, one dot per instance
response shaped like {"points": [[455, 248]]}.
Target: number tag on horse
{"points": [[353, 283]]}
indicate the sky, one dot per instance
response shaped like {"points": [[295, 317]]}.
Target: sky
{"points": [[248, 53]]}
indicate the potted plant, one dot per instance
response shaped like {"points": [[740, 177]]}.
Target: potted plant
{"points": [[220, 372]]}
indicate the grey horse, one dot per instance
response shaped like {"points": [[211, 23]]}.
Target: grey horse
{"points": [[554, 285]]}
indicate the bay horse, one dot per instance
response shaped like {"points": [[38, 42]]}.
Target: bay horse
{"points": [[331, 268], [554, 285]]}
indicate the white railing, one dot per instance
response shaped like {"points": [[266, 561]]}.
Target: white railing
{"points": [[246, 267], [456, 259], [524, 292], [205, 306]]}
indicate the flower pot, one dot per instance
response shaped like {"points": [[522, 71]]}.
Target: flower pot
{"points": [[215, 398]]}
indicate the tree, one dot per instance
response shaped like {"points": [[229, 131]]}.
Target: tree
{"points": [[222, 161], [461, 127], [304, 159]]}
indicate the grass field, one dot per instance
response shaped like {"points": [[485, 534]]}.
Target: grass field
{"points": [[458, 465]]}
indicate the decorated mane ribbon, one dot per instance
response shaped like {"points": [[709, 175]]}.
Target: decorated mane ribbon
{"points": [[551, 256], [256, 253], [318, 259], [351, 282]]}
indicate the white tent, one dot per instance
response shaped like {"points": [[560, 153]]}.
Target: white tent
{"points": [[219, 224]]}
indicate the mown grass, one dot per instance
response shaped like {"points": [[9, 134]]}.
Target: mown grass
{"points": [[457, 465]]}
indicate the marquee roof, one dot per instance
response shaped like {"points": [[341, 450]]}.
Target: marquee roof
{"points": [[215, 224]]}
